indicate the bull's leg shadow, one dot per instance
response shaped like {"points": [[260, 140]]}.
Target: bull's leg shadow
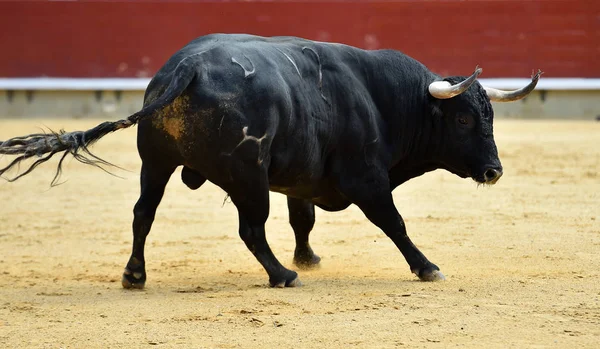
{"points": [[153, 181], [373, 196], [302, 220]]}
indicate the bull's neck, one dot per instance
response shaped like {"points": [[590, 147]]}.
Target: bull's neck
{"points": [[399, 86], [416, 146]]}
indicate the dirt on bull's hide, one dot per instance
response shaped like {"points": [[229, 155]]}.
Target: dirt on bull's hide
{"points": [[522, 258], [171, 117]]}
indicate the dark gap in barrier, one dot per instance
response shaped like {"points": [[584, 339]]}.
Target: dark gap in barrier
{"points": [[29, 96]]}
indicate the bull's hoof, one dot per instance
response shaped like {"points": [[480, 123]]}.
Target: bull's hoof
{"points": [[429, 274], [290, 279], [294, 283], [307, 262], [133, 279]]}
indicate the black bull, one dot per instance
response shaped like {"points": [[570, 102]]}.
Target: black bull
{"points": [[325, 124]]}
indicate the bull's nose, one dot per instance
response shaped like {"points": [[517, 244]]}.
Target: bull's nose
{"points": [[492, 175]]}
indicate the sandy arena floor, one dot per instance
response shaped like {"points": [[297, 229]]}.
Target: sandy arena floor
{"points": [[522, 258]]}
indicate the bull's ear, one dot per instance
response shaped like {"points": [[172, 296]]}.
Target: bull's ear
{"points": [[509, 96], [445, 90]]}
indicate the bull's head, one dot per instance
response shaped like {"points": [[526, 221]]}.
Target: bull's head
{"points": [[469, 149]]}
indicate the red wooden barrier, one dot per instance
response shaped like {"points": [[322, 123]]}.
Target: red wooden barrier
{"points": [[133, 39]]}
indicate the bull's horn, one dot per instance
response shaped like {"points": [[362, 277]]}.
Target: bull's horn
{"points": [[509, 96], [445, 90]]}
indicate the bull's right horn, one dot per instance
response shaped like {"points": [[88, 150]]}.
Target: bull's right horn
{"points": [[445, 90], [509, 96]]}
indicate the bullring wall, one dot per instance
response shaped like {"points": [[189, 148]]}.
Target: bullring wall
{"points": [[118, 39]]}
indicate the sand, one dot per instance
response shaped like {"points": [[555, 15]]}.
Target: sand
{"points": [[521, 258]]}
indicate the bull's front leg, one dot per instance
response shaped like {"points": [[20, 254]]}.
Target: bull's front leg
{"points": [[371, 192]]}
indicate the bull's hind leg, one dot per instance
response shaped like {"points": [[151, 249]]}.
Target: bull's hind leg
{"points": [[153, 181], [249, 192], [302, 220]]}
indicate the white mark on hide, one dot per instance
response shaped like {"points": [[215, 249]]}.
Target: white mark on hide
{"points": [[221, 124], [251, 138], [292, 61], [247, 73], [183, 60], [368, 150], [318, 62], [320, 84]]}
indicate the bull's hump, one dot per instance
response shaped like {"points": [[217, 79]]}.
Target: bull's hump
{"points": [[257, 47]]}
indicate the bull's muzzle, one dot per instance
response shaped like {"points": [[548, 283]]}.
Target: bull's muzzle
{"points": [[492, 175]]}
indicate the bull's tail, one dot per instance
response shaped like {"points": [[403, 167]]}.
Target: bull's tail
{"points": [[45, 146]]}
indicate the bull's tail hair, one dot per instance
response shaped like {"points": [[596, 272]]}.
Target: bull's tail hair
{"points": [[77, 143]]}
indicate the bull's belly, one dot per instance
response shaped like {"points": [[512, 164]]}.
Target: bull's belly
{"points": [[322, 196]]}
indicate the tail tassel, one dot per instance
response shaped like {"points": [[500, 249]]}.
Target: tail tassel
{"points": [[46, 145]]}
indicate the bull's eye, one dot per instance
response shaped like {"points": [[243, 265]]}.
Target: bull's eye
{"points": [[465, 121]]}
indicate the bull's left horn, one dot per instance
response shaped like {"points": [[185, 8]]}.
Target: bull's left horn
{"points": [[445, 90], [509, 96]]}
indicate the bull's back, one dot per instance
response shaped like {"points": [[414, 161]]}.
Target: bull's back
{"points": [[296, 94]]}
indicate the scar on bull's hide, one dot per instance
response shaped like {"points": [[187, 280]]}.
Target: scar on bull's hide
{"points": [[170, 118], [258, 141], [291, 61], [367, 150], [320, 70], [247, 72]]}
